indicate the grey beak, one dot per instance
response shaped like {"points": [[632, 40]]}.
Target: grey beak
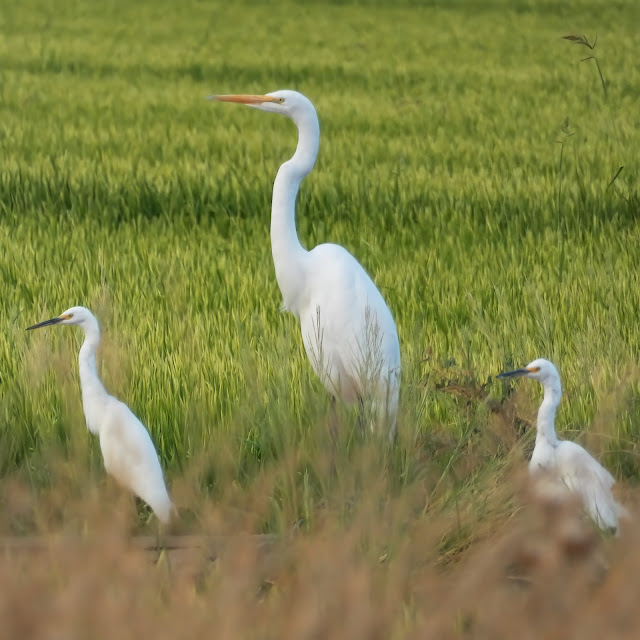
{"points": [[45, 323], [513, 374]]}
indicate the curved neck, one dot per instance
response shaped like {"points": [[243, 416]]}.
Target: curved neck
{"points": [[547, 412], [287, 251], [93, 392]]}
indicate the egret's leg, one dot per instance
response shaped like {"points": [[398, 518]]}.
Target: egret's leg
{"points": [[333, 420], [374, 417], [361, 420], [161, 547], [383, 423]]}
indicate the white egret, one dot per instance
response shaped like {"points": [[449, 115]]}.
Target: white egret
{"points": [[347, 329], [128, 453], [566, 460]]}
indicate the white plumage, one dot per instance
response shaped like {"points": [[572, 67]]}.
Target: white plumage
{"points": [[567, 461], [128, 453], [347, 329]]}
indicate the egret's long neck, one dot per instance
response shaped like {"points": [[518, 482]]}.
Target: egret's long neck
{"points": [[288, 253], [94, 395], [547, 412]]}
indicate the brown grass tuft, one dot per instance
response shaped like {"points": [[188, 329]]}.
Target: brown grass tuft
{"points": [[524, 565]]}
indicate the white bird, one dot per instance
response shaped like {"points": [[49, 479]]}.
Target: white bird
{"points": [[579, 471], [347, 329], [128, 453]]}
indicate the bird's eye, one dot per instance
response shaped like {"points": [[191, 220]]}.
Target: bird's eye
{"points": [[280, 100]]}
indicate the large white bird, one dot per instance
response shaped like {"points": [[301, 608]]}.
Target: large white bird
{"points": [[579, 471], [347, 329], [128, 453]]}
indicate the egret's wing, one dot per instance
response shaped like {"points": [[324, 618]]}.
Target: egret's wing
{"points": [[355, 332], [129, 455], [587, 478]]}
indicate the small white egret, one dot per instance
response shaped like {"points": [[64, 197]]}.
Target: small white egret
{"points": [[347, 329], [566, 460], [128, 453]]}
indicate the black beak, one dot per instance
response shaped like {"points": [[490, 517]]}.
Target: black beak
{"points": [[46, 323], [513, 374]]}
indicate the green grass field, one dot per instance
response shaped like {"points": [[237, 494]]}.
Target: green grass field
{"points": [[466, 158]]}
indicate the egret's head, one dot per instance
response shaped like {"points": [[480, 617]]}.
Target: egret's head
{"points": [[75, 315], [286, 102], [541, 370]]}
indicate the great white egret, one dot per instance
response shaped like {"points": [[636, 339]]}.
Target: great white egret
{"points": [[347, 329], [566, 460], [128, 453]]}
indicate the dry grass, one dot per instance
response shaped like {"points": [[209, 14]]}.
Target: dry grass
{"points": [[523, 568]]}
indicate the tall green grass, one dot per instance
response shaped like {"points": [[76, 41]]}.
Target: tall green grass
{"points": [[122, 189]]}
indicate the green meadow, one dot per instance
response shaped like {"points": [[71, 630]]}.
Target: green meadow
{"points": [[469, 159]]}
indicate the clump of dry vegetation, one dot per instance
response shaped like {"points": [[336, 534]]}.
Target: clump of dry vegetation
{"points": [[373, 563], [543, 571]]}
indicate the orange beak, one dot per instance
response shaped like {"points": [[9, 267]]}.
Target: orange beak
{"points": [[243, 99]]}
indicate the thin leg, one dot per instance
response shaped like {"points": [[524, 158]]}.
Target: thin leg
{"points": [[163, 551], [159, 547], [362, 418], [333, 420], [333, 432]]}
